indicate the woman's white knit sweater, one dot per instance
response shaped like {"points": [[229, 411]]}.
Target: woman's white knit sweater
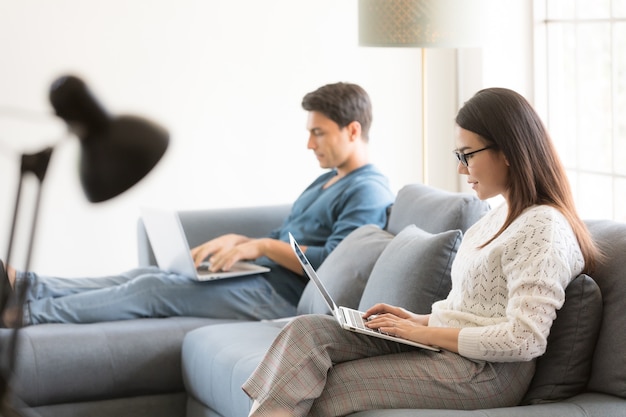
{"points": [[505, 295]]}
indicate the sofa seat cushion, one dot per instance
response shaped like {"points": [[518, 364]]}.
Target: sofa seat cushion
{"points": [[66, 363], [584, 405], [218, 359], [157, 405]]}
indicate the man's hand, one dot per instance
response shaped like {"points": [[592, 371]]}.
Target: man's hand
{"points": [[216, 246], [225, 259], [224, 251]]}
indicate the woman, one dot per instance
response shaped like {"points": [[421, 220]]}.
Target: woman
{"points": [[508, 279]]}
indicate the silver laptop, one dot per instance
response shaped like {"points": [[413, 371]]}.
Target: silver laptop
{"points": [[172, 252], [347, 318]]}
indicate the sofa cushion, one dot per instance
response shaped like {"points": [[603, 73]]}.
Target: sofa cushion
{"points": [[434, 210], [217, 360], [413, 271], [71, 363], [564, 368], [608, 371], [345, 271]]}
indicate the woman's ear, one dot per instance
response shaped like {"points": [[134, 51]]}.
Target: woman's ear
{"points": [[506, 161]]}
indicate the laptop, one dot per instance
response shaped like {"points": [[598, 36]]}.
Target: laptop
{"points": [[172, 252], [347, 318]]}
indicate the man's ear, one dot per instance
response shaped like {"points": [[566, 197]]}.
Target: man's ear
{"points": [[354, 130]]}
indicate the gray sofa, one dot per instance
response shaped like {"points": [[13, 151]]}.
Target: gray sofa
{"points": [[136, 368]]}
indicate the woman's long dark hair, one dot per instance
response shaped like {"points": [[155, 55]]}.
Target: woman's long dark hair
{"points": [[506, 121]]}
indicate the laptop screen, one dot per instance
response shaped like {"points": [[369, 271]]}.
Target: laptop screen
{"points": [[310, 272]]}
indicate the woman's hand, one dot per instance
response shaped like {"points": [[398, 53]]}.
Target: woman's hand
{"points": [[397, 321], [399, 312], [402, 323]]}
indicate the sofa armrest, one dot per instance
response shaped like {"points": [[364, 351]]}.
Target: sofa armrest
{"points": [[203, 225]]}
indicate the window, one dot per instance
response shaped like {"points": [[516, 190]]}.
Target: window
{"points": [[581, 90]]}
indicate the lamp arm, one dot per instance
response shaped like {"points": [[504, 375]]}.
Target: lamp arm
{"points": [[36, 164]]}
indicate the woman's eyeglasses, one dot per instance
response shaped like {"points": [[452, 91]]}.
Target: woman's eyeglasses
{"points": [[463, 157]]}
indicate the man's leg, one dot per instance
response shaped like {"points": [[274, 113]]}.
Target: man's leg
{"points": [[162, 294], [38, 287]]}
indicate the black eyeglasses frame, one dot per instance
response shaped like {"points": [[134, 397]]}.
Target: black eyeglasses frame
{"points": [[462, 157]]}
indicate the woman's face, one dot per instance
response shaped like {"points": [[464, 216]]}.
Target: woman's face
{"points": [[487, 171]]}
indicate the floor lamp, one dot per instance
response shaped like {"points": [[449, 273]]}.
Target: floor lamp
{"points": [[116, 152], [420, 24]]}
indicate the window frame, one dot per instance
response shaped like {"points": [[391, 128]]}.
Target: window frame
{"points": [[612, 202]]}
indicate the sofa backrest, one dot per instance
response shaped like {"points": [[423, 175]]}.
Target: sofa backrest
{"points": [[202, 225], [434, 210], [347, 269], [586, 344], [608, 369]]}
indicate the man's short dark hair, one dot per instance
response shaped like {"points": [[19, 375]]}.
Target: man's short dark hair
{"points": [[342, 103]]}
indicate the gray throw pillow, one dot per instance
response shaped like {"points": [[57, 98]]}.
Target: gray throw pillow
{"points": [[346, 270], [413, 271], [564, 368]]}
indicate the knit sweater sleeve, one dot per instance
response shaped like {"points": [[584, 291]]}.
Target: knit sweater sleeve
{"points": [[532, 263]]}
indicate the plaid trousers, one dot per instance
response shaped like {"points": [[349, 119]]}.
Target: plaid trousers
{"points": [[315, 368]]}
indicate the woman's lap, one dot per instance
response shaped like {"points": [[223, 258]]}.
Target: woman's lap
{"points": [[344, 372], [421, 379]]}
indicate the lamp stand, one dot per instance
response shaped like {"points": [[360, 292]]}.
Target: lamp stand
{"points": [[36, 164]]}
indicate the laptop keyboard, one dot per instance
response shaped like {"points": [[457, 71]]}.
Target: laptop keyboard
{"points": [[356, 319], [203, 267]]}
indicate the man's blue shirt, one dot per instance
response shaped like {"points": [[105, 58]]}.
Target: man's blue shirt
{"points": [[321, 218]]}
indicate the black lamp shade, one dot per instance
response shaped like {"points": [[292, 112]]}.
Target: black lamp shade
{"points": [[114, 160], [116, 152]]}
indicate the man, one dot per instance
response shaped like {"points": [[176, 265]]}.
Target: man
{"points": [[352, 193]]}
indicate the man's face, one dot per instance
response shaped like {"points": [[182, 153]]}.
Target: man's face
{"points": [[332, 145]]}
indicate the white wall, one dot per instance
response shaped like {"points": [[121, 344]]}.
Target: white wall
{"points": [[226, 77], [504, 60]]}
